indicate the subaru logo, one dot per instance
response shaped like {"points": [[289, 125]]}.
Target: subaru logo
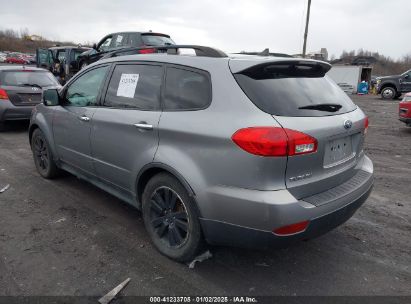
{"points": [[35, 89], [347, 124]]}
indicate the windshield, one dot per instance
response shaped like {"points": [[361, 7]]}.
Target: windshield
{"points": [[25, 78], [290, 90], [155, 40]]}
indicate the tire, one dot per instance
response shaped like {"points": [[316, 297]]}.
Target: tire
{"points": [[42, 155], [171, 218], [2, 126], [388, 93]]}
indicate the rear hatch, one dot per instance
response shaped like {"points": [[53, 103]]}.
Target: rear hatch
{"points": [[24, 87], [300, 97]]}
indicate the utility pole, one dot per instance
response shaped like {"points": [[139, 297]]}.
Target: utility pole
{"points": [[306, 28]]}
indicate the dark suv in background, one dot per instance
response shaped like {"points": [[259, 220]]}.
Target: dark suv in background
{"points": [[391, 87], [117, 41]]}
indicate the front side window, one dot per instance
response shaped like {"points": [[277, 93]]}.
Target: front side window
{"points": [[135, 86], [105, 45], [186, 90], [84, 90]]}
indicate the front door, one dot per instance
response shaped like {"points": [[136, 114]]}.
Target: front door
{"points": [[124, 137], [72, 121], [406, 82]]}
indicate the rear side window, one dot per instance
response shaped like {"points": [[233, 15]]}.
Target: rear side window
{"points": [[292, 89], [28, 78], [156, 40], [135, 86], [186, 90]]}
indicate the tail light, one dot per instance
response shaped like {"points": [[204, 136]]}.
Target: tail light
{"points": [[147, 51], [273, 141], [291, 229], [366, 123], [3, 94]]}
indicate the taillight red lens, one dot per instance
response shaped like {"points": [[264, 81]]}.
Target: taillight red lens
{"points": [[146, 51], [366, 123], [274, 141], [263, 141], [3, 94], [292, 229]]}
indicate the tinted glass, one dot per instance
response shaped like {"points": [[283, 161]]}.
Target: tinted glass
{"points": [[84, 90], [106, 44], [25, 78], [61, 56], [119, 40], [155, 40], [135, 86], [283, 90], [186, 90]]}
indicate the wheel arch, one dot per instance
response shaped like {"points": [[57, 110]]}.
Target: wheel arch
{"points": [[151, 169]]}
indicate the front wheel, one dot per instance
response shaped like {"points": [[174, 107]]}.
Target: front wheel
{"points": [[43, 157], [388, 93], [171, 218]]}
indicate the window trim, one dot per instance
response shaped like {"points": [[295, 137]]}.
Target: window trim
{"points": [[77, 76], [120, 63], [190, 69]]}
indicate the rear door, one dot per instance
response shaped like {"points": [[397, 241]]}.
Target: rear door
{"points": [[301, 98], [72, 121], [125, 129]]}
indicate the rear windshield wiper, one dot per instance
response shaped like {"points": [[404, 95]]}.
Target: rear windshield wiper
{"points": [[32, 85], [326, 107]]}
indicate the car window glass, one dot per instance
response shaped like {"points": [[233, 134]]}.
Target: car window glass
{"points": [[133, 39], [186, 90], [119, 40], [84, 90], [135, 86], [106, 44], [61, 56]]}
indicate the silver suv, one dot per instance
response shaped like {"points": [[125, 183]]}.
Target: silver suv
{"points": [[243, 150]]}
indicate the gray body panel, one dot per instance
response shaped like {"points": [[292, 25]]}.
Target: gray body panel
{"points": [[230, 186]]}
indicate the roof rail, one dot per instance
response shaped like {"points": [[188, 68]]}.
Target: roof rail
{"points": [[203, 51]]}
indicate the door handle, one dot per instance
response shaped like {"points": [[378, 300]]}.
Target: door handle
{"points": [[143, 126], [84, 118]]}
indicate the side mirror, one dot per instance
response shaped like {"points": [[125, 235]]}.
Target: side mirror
{"points": [[95, 46], [407, 76], [51, 97]]}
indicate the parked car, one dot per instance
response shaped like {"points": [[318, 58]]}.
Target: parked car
{"points": [[116, 41], [255, 152], [16, 58], [3, 57], [391, 87], [61, 60], [20, 91], [405, 109]]}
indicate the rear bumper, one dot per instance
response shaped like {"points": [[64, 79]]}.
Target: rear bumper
{"points": [[258, 213], [8, 111]]}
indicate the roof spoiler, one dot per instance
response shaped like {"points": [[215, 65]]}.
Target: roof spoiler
{"points": [[203, 51]]}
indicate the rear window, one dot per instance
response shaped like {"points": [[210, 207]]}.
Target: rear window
{"points": [[155, 40], [285, 88], [27, 78]]}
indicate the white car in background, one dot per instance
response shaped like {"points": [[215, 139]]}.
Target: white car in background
{"points": [[2, 57]]}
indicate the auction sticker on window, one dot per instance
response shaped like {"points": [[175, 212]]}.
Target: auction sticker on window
{"points": [[127, 85]]}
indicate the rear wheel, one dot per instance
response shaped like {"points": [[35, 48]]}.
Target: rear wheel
{"points": [[171, 218], [388, 93], [42, 155]]}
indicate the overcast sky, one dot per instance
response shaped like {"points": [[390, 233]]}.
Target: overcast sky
{"points": [[251, 25]]}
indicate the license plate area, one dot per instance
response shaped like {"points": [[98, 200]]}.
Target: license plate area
{"points": [[338, 151]]}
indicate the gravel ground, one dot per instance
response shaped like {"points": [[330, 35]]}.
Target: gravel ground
{"points": [[66, 237]]}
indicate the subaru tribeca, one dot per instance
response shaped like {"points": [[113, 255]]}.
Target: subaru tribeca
{"points": [[243, 150]]}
